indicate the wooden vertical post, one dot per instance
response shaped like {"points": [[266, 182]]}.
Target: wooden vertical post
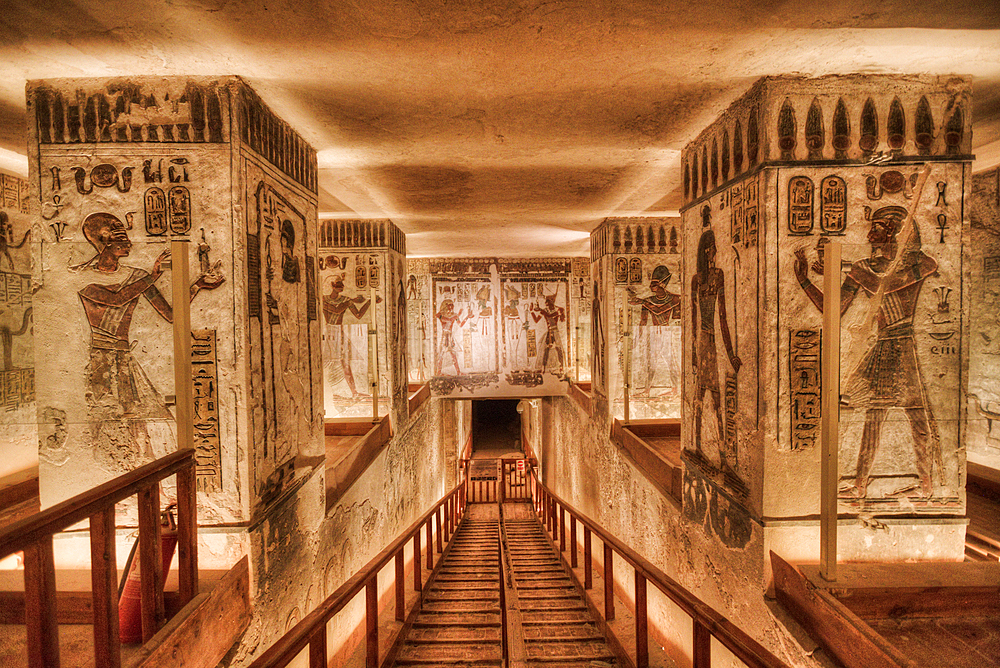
{"points": [[317, 648], [187, 500], [40, 605], [830, 417], [641, 628], [400, 589], [373, 354], [628, 361], [702, 646], [150, 564], [430, 546], [572, 540], [588, 566], [437, 529], [371, 622], [187, 533], [181, 293], [416, 561], [562, 528], [104, 588], [609, 583]]}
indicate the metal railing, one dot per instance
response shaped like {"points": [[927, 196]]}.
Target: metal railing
{"points": [[707, 622], [33, 535], [445, 516]]}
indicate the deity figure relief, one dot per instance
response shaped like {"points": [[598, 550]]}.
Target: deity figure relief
{"points": [[448, 319], [339, 349], [290, 272], [708, 299], [120, 397], [663, 306], [514, 326], [553, 316], [888, 375], [658, 343]]}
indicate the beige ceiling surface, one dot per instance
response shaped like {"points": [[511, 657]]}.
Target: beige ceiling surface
{"points": [[507, 128]]}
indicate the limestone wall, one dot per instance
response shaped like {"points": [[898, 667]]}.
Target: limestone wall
{"points": [[495, 327], [18, 426], [983, 439], [584, 467], [121, 168]]}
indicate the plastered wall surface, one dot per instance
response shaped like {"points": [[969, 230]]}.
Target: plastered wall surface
{"points": [[302, 554], [983, 435], [582, 466], [495, 327], [18, 425], [122, 168]]}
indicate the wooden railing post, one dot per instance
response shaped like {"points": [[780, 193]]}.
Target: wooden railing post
{"points": [[572, 540], [641, 628], [371, 621], [40, 605], [104, 588], [430, 546], [416, 560], [437, 530], [702, 654], [609, 583], [150, 563], [187, 534], [400, 588], [317, 648], [562, 528], [588, 562]]}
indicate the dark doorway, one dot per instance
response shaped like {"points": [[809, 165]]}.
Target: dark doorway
{"points": [[496, 428]]}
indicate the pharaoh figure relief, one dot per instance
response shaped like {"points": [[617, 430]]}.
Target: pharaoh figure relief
{"points": [[120, 397], [888, 375], [656, 365]]}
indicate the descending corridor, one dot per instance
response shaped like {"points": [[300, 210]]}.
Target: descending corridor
{"points": [[462, 617]]}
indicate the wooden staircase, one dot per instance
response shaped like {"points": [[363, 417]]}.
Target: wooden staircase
{"points": [[461, 620], [558, 628]]}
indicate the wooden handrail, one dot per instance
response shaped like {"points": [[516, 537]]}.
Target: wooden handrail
{"points": [[312, 627], [707, 621], [19, 535], [34, 536]]}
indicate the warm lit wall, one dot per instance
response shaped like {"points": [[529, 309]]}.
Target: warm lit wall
{"points": [[18, 426], [983, 438], [495, 327]]}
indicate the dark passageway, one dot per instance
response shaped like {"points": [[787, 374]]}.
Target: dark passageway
{"points": [[496, 428]]}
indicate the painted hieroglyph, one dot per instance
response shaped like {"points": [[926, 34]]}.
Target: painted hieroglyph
{"points": [[493, 326]]}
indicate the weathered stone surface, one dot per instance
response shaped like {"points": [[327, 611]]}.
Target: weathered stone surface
{"points": [[983, 434], [18, 426], [754, 292]]}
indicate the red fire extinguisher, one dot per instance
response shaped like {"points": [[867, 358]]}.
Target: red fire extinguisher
{"points": [[129, 592]]}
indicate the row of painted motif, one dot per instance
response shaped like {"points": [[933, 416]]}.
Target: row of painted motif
{"points": [[127, 115], [613, 237], [715, 164]]}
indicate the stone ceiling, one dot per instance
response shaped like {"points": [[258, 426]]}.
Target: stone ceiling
{"points": [[498, 127]]}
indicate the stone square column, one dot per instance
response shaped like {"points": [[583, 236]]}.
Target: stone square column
{"points": [[882, 164], [121, 167], [362, 280]]}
